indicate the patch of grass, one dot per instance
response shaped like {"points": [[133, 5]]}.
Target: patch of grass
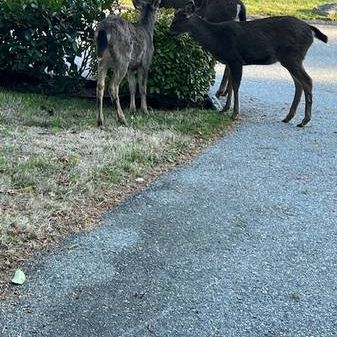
{"points": [[28, 171], [46, 112], [299, 8], [58, 172], [196, 123]]}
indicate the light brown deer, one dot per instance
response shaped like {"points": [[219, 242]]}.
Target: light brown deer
{"points": [[125, 48]]}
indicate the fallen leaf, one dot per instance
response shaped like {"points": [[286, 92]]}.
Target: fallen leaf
{"points": [[19, 277]]}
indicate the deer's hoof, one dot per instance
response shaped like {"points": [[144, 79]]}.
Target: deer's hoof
{"points": [[124, 122], [285, 120], [234, 117], [220, 93], [303, 123], [226, 108], [145, 111]]}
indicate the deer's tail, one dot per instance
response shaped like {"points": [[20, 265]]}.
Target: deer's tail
{"points": [[242, 12], [102, 42], [319, 35]]}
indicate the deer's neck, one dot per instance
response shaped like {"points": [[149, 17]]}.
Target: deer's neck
{"points": [[203, 32], [147, 20]]}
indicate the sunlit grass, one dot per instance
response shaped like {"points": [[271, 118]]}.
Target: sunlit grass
{"points": [[300, 8]]}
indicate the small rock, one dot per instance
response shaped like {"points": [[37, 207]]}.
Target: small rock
{"points": [[139, 295], [139, 180], [326, 9]]}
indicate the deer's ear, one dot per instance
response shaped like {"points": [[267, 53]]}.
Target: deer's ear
{"points": [[156, 3], [189, 8], [137, 4]]}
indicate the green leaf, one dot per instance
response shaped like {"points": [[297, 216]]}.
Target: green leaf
{"points": [[19, 277]]}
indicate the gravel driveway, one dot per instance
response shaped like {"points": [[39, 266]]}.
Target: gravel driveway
{"points": [[241, 242]]}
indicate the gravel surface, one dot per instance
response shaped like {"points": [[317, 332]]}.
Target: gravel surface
{"points": [[241, 242]]}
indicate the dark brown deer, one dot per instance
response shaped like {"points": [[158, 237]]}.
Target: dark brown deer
{"points": [[283, 39], [125, 48], [217, 11]]}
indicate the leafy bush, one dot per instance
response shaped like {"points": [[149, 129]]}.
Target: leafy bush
{"points": [[40, 37], [180, 67]]}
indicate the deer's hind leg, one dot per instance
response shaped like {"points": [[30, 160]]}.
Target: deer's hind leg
{"points": [[102, 70], [306, 81], [296, 100], [117, 75], [297, 71]]}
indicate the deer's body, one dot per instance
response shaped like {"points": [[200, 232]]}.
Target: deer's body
{"points": [[125, 48], [265, 41]]}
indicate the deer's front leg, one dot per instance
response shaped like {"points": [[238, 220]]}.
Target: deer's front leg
{"points": [[236, 74], [142, 82], [132, 89], [116, 79], [223, 88], [296, 100], [102, 70], [229, 91]]}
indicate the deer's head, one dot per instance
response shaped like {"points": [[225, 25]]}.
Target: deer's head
{"points": [[181, 18], [140, 4]]}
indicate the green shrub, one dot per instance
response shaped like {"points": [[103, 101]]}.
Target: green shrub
{"points": [[41, 37], [180, 67]]}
